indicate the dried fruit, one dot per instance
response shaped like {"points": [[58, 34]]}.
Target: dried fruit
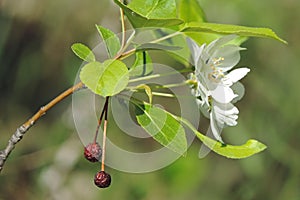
{"points": [[102, 179], [93, 152]]}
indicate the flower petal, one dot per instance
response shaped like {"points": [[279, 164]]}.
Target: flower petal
{"points": [[214, 45], [230, 55], [223, 94], [215, 129], [203, 107], [227, 109], [225, 114], [195, 50], [235, 75], [238, 89], [229, 120]]}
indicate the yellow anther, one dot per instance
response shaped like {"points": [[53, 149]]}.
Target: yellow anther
{"points": [[216, 76], [217, 61]]}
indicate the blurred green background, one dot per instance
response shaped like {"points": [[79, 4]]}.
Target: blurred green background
{"points": [[36, 64]]}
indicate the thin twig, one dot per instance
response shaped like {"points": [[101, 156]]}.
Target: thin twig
{"points": [[20, 132], [100, 120], [125, 54], [123, 27], [122, 48], [104, 135]]}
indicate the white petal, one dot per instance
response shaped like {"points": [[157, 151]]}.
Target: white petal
{"points": [[215, 129], [238, 89], [227, 106], [204, 109], [219, 42], [202, 90], [229, 120], [235, 75], [223, 94], [227, 109], [195, 50], [230, 55], [225, 114]]}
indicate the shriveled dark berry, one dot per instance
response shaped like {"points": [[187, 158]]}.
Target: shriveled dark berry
{"points": [[93, 152], [102, 179]]}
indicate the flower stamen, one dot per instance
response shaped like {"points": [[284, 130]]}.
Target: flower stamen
{"points": [[217, 61], [217, 74]]}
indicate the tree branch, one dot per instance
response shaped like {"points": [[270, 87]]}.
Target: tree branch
{"points": [[20, 132]]}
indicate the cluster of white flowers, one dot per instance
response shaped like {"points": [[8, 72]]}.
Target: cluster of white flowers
{"points": [[215, 86]]}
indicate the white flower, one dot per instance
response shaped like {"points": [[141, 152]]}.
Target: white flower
{"points": [[212, 63], [214, 79], [225, 114], [222, 115]]}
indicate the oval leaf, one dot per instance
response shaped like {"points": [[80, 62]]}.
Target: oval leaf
{"points": [[162, 127], [110, 39], [248, 149], [151, 13], [83, 52], [231, 29], [105, 79]]}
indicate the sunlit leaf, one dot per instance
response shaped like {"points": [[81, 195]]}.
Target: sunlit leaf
{"points": [[231, 29], [162, 127], [151, 13], [201, 38], [105, 79], [248, 149], [83, 52], [191, 11], [110, 39]]}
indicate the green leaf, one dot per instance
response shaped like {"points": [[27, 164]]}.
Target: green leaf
{"points": [[248, 149], [190, 10], [105, 79], [157, 9], [155, 46], [162, 127], [207, 38], [182, 53], [231, 29], [142, 65], [83, 52], [151, 13], [111, 40], [202, 38]]}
